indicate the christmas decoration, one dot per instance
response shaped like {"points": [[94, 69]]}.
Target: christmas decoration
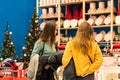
{"points": [[7, 48], [32, 37]]}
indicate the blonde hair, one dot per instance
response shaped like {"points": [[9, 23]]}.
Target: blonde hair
{"points": [[83, 36]]}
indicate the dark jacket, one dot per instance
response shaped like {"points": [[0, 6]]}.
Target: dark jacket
{"points": [[55, 60]]}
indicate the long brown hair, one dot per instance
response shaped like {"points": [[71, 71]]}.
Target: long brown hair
{"points": [[83, 36], [49, 32]]}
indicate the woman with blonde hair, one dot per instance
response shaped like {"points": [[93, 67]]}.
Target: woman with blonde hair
{"points": [[85, 53]]}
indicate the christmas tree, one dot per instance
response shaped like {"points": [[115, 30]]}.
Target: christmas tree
{"points": [[33, 35], [7, 49]]}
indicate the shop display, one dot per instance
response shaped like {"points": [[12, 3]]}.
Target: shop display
{"points": [[100, 20], [92, 20], [56, 13], [44, 13], [51, 12], [117, 20], [73, 23], [101, 7], [92, 7], [98, 14], [109, 7], [100, 37], [108, 36], [80, 21], [107, 20]]}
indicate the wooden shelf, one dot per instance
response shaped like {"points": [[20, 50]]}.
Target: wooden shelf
{"points": [[77, 2], [107, 42], [68, 28], [84, 7], [88, 1], [104, 26], [63, 43], [103, 42], [100, 26], [96, 13], [49, 17], [64, 4], [47, 6]]}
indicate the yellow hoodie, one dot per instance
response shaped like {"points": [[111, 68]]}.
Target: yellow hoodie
{"points": [[82, 62]]}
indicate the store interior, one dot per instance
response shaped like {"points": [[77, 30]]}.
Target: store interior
{"points": [[18, 17]]}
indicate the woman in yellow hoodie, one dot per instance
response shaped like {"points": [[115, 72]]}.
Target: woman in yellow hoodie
{"points": [[85, 53]]}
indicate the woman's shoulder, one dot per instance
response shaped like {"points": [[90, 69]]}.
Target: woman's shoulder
{"points": [[94, 43], [39, 41]]}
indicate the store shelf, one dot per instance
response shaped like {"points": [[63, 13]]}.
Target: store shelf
{"points": [[54, 5], [55, 17], [104, 26], [100, 26], [77, 2], [64, 4], [107, 42], [88, 1], [85, 13], [63, 43], [68, 28], [96, 13], [103, 42]]}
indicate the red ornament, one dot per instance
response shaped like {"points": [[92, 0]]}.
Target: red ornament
{"points": [[31, 50], [28, 55]]}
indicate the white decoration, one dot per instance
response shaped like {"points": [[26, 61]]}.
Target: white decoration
{"points": [[117, 20], [91, 20], [1, 58], [29, 34], [36, 21], [66, 24], [80, 21], [73, 23], [10, 32], [100, 20], [25, 55], [11, 43], [23, 47], [98, 37], [15, 60]]}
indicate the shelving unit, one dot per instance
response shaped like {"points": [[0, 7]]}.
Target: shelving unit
{"points": [[111, 12], [84, 2]]}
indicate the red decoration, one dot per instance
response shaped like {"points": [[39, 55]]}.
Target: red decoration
{"points": [[30, 49], [69, 13], [76, 13], [81, 12], [61, 47], [118, 13]]}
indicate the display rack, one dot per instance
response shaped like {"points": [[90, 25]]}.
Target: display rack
{"points": [[84, 2]]}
